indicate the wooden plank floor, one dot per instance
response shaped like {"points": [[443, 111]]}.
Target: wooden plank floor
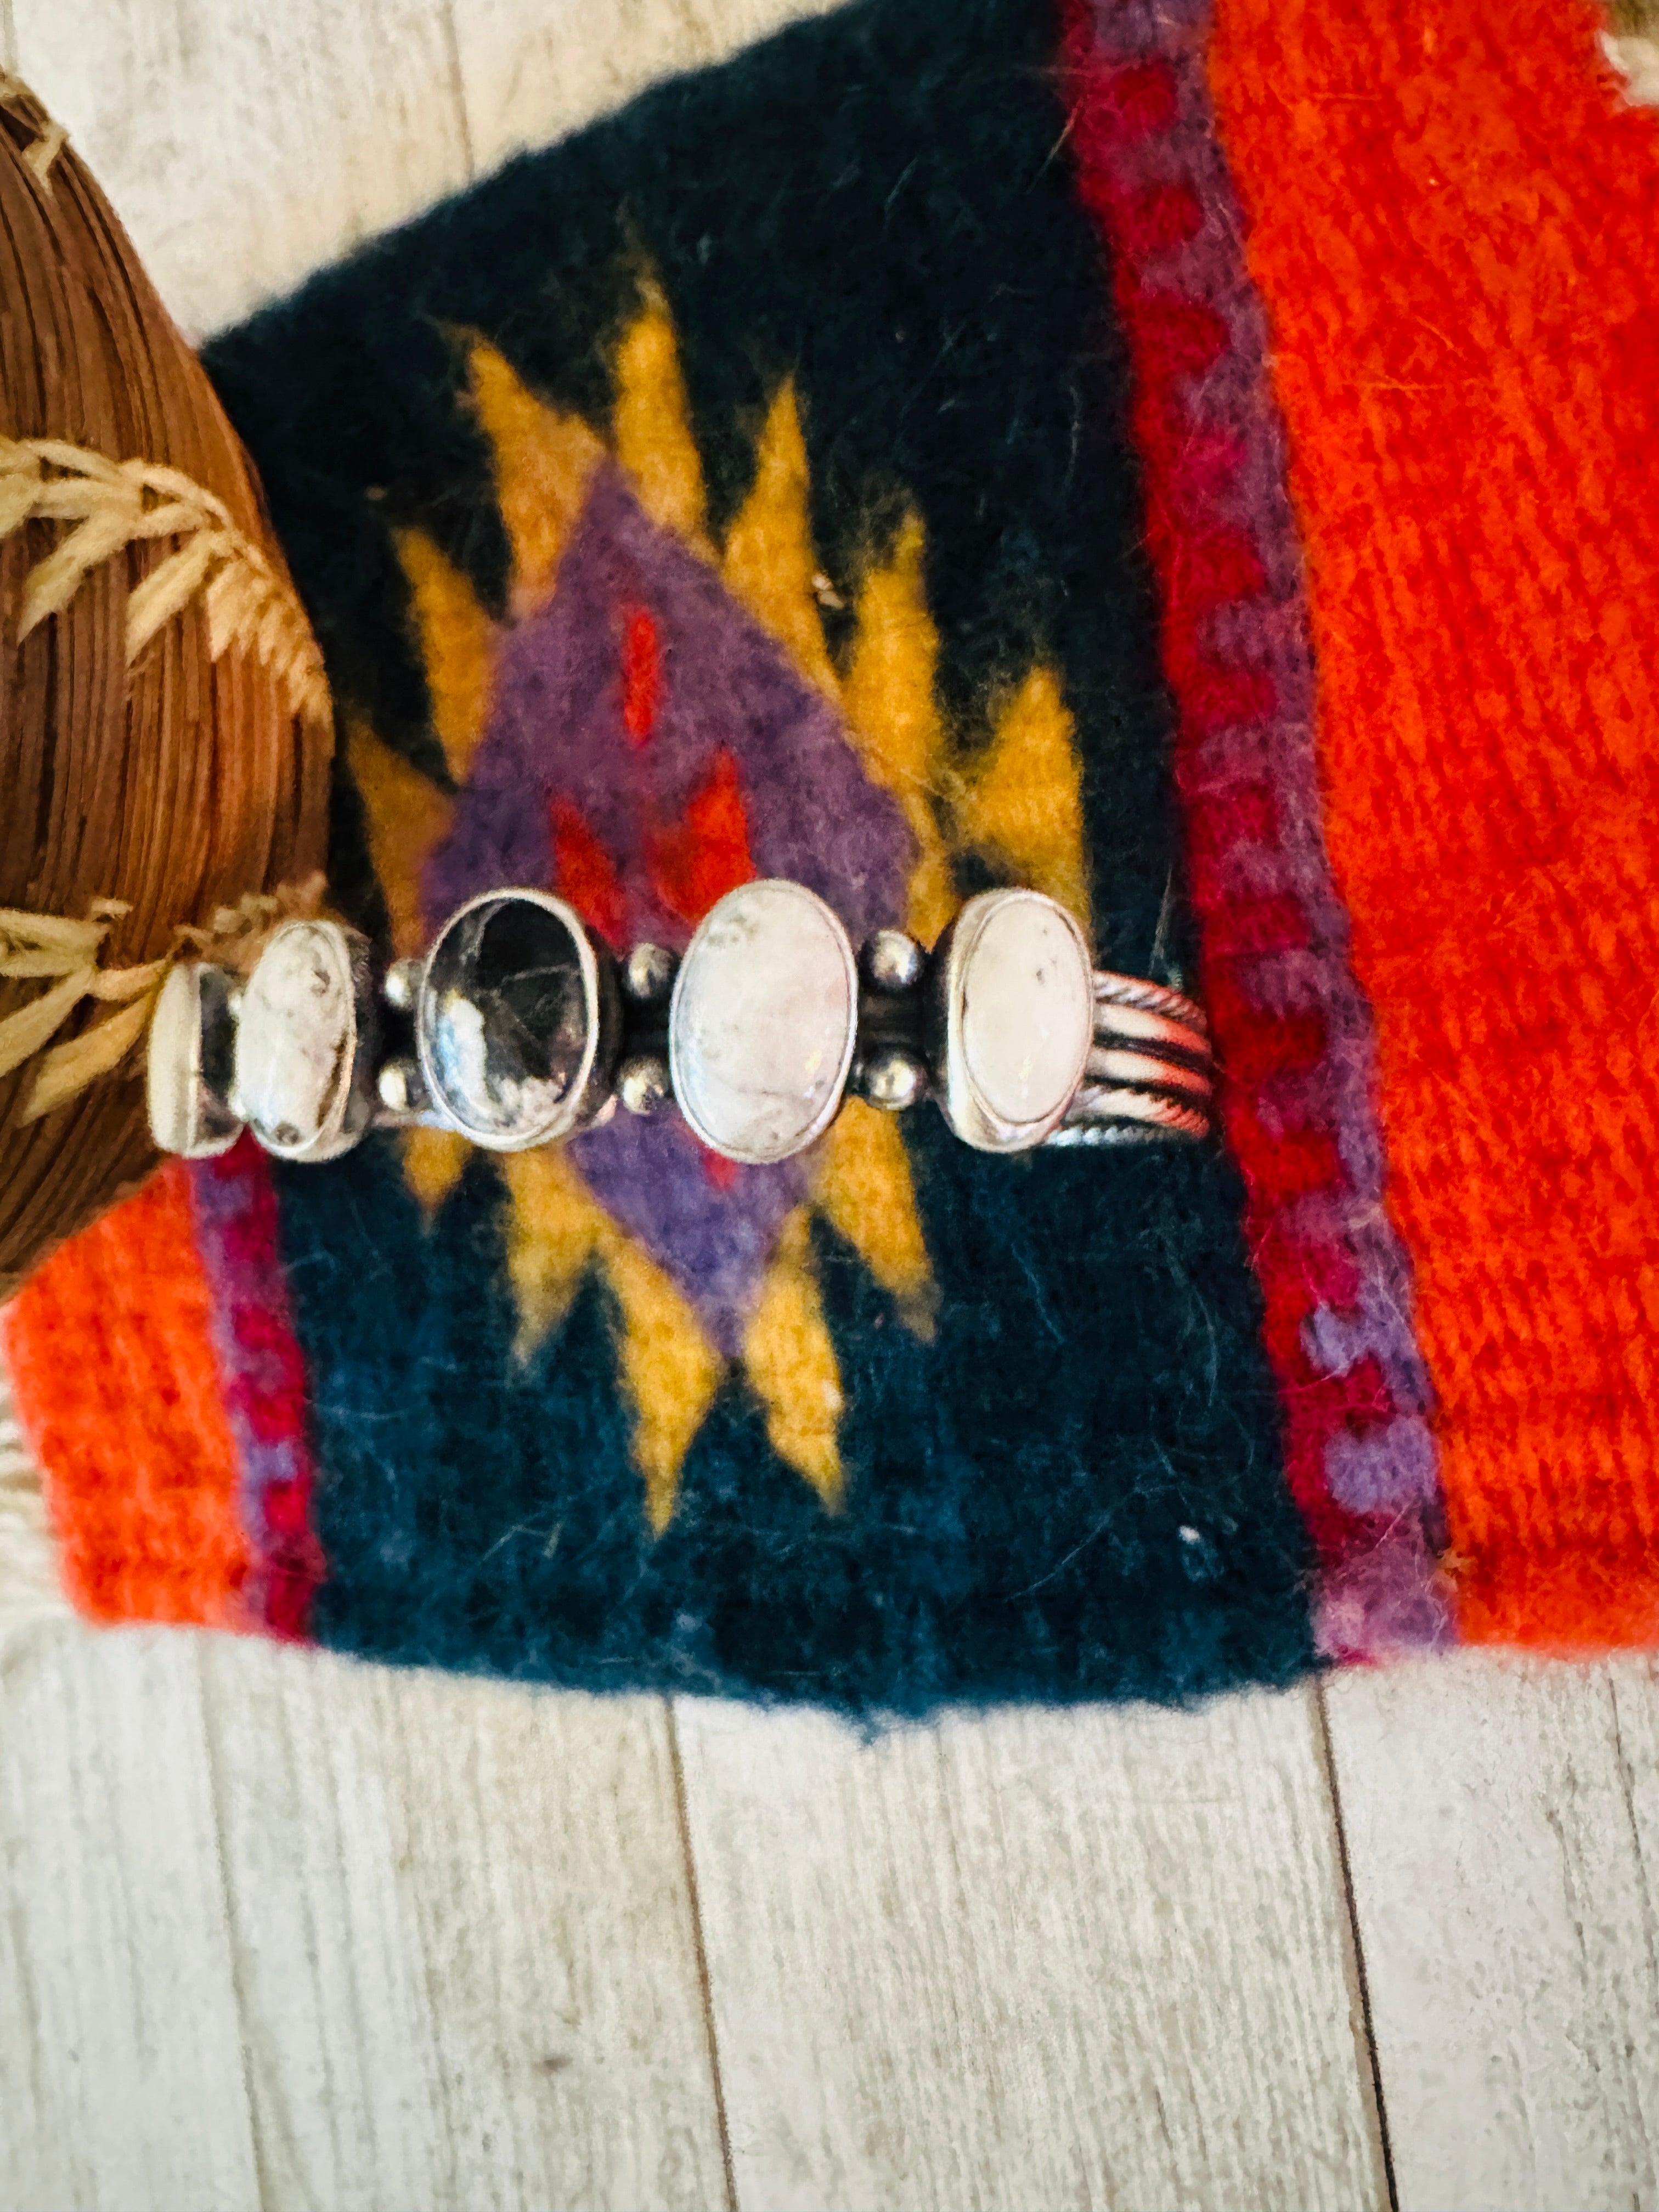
{"points": [[280, 1931]]}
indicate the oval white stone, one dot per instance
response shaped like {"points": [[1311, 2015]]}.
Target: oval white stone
{"points": [[188, 1031], [296, 1039], [1028, 1011], [762, 1023]]}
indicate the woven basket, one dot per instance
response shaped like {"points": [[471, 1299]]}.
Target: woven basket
{"points": [[171, 751]]}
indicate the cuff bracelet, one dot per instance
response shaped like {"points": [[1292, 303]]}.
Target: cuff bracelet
{"points": [[520, 1027]]}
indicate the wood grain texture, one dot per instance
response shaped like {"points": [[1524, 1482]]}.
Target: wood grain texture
{"points": [[463, 1941], [1091, 1959], [278, 1931], [244, 145], [530, 75], [1502, 1822], [121, 2076]]}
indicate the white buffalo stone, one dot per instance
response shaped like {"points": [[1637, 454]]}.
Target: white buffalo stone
{"points": [[764, 1016], [186, 1034], [1025, 1010], [296, 1039]]}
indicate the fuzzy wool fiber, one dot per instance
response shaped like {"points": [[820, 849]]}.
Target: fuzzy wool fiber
{"points": [[1066, 1479]]}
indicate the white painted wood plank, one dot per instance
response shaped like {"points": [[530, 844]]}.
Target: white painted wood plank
{"points": [[244, 145], [1092, 1957], [463, 1940], [531, 75], [121, 2077], [1504, 1843], [29, 1588]]}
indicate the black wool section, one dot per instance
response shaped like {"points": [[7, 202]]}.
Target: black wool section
{"points": [[877, 203], [1076, 1490], [1026, 1521]]}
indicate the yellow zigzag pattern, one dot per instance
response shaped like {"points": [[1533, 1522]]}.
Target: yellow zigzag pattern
{"points": [[1019, 801]]}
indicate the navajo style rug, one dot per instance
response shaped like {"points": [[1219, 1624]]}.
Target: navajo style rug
{"points": [[1189, 463]]}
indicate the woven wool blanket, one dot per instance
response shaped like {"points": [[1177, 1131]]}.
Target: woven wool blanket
{"points": [[1193, 462]]}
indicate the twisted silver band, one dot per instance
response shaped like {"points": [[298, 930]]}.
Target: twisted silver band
{"points": [[1149, 1075], [1128, 991]]}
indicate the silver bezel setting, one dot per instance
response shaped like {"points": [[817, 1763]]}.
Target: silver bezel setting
{"points": [[351, 1106], [962, 1100], [832, 1105], [187, 1115], [589, 1090], [531, 1036]]}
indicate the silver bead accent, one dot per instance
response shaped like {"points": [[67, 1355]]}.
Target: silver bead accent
{"points": [[517, 1021], [893, 1080], [402, 1091], [401, 985], [306, 1042], [893, 962], [642, 1084], [192, 1039], [647, 975]]}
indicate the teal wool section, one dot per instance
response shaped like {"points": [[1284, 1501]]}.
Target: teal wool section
{"points": [[1025, 1518], [1075, 1488]]}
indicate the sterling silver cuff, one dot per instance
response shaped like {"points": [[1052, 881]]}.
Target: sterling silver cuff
{"points": [[519, 1028]]}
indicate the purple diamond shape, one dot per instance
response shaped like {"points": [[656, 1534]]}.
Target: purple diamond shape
{"points": [[557, 730]]}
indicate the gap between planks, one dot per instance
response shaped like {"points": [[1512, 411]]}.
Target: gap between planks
{"points": [[451, 90], [1502, 1822], [1496, 1825], [1353, 1949], [683, 1821], [466, 1947], [1091, 1957], [1085, 1958], [1066, 1956]]}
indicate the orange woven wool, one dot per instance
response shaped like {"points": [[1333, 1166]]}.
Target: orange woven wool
{"points": [[1455, 229], [122, 1398]]}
